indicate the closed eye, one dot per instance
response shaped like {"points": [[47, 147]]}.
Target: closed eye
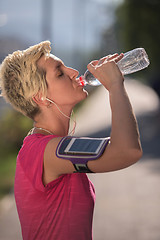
{"points": [[60, 74]]}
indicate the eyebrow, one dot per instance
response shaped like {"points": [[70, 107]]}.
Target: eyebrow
{"points": [[58, 64]]}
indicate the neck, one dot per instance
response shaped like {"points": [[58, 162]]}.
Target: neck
{"points": [[53, 121]]}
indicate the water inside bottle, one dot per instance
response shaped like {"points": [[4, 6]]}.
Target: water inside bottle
{"points": [[94, 82], [90, 79], [132, 61], [135, 67]]}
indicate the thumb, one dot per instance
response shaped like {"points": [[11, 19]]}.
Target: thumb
{"points": [[92, 66]]}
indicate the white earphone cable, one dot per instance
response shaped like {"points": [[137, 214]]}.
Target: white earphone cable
{"points": [[73, 130]]}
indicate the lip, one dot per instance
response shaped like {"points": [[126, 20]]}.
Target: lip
{"points": [[79, 85]]}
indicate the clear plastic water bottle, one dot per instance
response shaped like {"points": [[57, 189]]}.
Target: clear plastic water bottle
{"points": [[132, 61]]}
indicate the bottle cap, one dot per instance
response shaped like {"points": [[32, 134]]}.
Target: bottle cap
{"points": [[82, 80]]}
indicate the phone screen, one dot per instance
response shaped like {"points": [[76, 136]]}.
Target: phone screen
{"points": [[84, 146]]}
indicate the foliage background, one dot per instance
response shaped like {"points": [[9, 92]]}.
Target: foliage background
{"points": [[14, 127]]}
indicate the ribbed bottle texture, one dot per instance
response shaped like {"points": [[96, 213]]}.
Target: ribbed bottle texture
{"points": [[132, 61]]}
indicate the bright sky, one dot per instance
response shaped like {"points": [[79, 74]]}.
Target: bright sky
{"points": [[109, 1], [75, 23]]}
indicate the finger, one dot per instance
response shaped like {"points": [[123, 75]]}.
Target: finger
{"points": [[101, 60], [92, 65], [113, 56], [118, 58]]}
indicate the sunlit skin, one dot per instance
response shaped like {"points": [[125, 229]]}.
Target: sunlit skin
{"points": [[51, 90], [63, 85], [64, 89]]}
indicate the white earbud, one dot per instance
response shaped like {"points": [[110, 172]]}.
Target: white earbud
{"points": [[49, 100]]}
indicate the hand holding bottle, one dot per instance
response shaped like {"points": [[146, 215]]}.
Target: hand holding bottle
{"points": [[133, 61], [106, 70]]}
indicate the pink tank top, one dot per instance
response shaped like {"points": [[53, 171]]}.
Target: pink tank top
{"points": [[61, 210]]}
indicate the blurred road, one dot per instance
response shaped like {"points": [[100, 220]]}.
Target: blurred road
{"points": [[128, 201]]}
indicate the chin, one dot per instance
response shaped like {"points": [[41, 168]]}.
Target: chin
{"points": [[85, 94], [82, 97]]}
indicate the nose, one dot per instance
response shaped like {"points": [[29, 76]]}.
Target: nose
{"points": [[73, 73]]}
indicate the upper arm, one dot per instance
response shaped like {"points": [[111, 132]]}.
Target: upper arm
{"points": [[54, 166], [112, 159]]}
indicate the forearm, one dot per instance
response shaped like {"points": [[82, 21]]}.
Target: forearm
{"points": [[124, 148], [124, 132]]}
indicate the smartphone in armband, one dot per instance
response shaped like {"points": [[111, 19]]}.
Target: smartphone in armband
{"points": [[84, 146], [79, 150]]}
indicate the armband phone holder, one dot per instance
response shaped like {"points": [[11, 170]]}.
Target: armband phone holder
{"points": [[79, 150]]}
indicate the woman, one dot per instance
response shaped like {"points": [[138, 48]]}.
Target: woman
{"points": [[52, 201]]}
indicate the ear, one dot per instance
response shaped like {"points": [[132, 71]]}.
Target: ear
{"points": [[39, 99]]}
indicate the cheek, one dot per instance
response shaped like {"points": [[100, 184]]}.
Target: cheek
{"points": [[66, 95], [61, 95]]}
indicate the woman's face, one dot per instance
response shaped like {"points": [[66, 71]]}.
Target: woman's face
{"points": [[63, 85]]}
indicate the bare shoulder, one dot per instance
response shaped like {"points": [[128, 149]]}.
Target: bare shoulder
{"points": [[52, 145], [54, 166]]}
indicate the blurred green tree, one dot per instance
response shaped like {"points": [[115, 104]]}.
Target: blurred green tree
{"points": [[13, 128], [138, 26]]}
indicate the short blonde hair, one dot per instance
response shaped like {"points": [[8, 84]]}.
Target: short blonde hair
{"points": [[20, 78]]}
